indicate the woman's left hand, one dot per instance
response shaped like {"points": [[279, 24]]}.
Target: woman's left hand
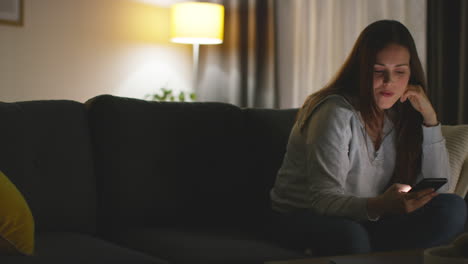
{"points": [[418, 99]]}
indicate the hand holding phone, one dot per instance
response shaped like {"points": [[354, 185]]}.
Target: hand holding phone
{"points": [[434, 183]]}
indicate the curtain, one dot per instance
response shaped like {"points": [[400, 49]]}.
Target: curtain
{"points": [[241, 71], [448, 59], [315, 36]]}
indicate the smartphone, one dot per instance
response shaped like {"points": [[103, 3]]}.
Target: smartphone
{"points": [[427, 183]]}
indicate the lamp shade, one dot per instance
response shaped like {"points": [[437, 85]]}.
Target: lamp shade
{"points": [[197, 23]]}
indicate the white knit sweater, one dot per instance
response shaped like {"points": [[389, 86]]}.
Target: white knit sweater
{"points": [[332, 167]]}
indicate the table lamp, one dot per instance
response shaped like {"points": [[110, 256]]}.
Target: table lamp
{"points": [[197, 23]]}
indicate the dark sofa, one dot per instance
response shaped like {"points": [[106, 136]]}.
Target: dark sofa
{"points": [[119, 180]]}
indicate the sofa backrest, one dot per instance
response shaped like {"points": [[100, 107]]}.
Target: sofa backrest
{"points": [[46, 152], [161, 163], [267, 131]]}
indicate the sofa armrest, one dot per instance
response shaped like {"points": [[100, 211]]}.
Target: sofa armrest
{"points": [[462, 184]]}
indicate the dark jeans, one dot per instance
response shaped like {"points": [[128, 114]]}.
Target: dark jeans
{"points": [[437, 223]]}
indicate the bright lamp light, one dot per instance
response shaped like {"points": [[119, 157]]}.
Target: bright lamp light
{"points": [[197, 23]]}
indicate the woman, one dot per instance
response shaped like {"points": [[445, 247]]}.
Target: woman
{"points": [[355, 150]]}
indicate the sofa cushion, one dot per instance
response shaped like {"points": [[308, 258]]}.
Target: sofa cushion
{"points": [[84, 247], [268, 133], [46, 153], [189, 245], [16, 221], [162, 163], [65, 247]]}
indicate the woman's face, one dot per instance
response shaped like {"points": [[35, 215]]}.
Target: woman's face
{"points": [[391, 75]]}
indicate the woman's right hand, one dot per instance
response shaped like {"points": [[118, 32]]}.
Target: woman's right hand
{"points": [[397, 200]]}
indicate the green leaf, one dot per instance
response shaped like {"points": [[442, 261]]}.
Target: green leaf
{"points": [[182, 97], [193, 96]]}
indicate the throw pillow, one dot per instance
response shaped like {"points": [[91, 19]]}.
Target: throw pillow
{"points": [[16, 221], [456, 140], [462, 185]]}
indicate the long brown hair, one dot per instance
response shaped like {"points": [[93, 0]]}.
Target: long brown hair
{"points": [[354, 81]]}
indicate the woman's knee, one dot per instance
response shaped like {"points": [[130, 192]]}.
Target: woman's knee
{"points": [[325, 235], [351, 238], [450, 203], [450, 209]]}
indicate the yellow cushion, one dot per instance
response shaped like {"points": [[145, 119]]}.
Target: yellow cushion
{"points": [[16, 221]]}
